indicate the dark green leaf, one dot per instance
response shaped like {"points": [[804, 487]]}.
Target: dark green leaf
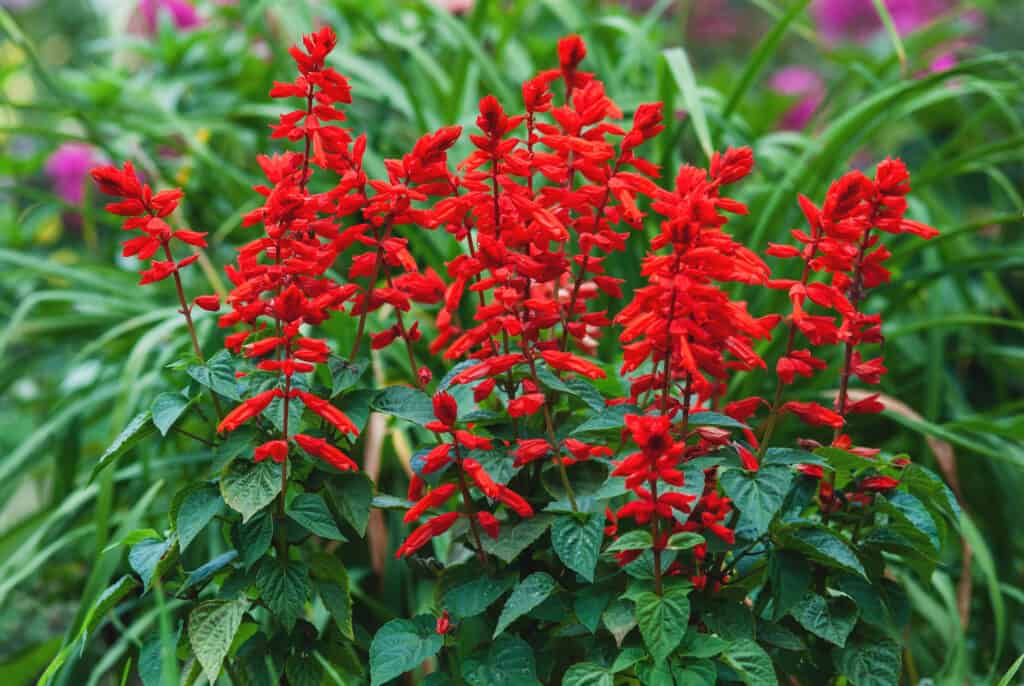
{"points": [[588, 674], [204, 573], [351, 495], [513, 540], [822, 545], [166, 409], [619, 619], [588, 603], [150, 557], [790, 576], [531, 592], [405, 403], [701, 645], [310, 511], [255, 537], [757, 495], [467, 590], [402, 645], [609, 419], [508, 661], [578, 544], [345, 374], [138, 428], [832, 619], [634, 540], [283, 587], [197, 509], [663, 620], [212, 626], [684, 540], [338, 601], [750, 663], [715, 419], [248, 487], [870, 663], [218, 374]]}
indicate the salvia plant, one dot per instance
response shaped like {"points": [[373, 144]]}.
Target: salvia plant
{"points": [[581, 523]]}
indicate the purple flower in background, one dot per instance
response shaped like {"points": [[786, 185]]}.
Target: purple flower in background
{"points": [[68, 167], [803, 83], [858, 20], [182, 13], [18, 4]]}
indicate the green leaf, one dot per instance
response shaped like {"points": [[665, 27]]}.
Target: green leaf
{"points": [[832, 619], [684, 540], [609, 419], [254, 538], [310, 511], [757, 495], [1011, 672], [402, 645], [790, 576], [351, 495], [531, 592], [218, 374], [345, 374], [467, 590], [789, 457], [338, 601], [150, 557], [587, 393], [205, 572], [212, 626], [512, 540], [332, 583], [663, 620], [913, 520], [249, 486], [822, 545], [750, 662], [137, 429], [303, 670], [627, 658], [405, 403], [634, 540], [716, 419], [701, 645], [619, 619], [578, 544], [588, 603], [876, 662], [283, 587], [588, 674], [682, 73], [196, 510], [508, 661], [166, 409]]}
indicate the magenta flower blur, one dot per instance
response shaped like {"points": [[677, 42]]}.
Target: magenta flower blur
{"points": [[182, 14], [798, 82], [68, 167], [857, 20]]}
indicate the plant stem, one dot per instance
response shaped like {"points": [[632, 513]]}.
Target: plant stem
{"points": [[467, 500]]}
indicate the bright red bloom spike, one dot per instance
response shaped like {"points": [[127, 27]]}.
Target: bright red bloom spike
{"points": [[813, 413], [436, 497], [248, 409], [332, 415], [423, 535], [276, 450], [319, 447], [489, 523], [445, 409], [526, 405]]}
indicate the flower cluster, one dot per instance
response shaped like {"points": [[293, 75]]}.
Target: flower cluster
{"points": [[146, 212], [450, 459], [280, 281]]}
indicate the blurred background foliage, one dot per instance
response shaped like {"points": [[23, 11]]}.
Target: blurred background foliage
{"points": [[814, 86]]}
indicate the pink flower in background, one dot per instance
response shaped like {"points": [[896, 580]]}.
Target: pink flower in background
{"points": [[68, 167], [182, 13], [803, 83], [857, 20], [455, 6]]}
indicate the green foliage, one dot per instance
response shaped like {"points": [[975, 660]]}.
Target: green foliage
{"points": [[94, 415]]}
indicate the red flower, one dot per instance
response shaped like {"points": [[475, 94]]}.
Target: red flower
{"points": [[248, 409], [444, 624], [422, 535], [318, 447], [436, 497], [878, 483], [526, 405], [813, 413], [276, 450]]}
